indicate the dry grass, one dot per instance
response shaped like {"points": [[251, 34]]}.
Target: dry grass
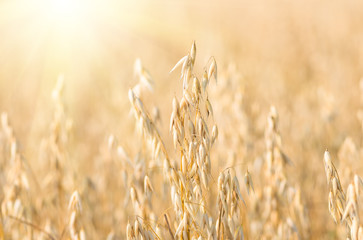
{"points": [[105, 138]]}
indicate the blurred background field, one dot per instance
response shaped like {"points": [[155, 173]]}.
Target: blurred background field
{"points": [[303, 57]]}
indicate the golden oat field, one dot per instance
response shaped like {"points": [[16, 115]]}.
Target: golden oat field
{"points": [[181, 119]]}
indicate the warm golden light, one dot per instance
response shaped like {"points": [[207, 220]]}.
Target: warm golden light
{"points": [[68, 12], [67, 16], [66, 8], [59, 35], [101, 137]]}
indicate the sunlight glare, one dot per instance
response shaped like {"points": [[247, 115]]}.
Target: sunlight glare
{"points": [[68, 13]]}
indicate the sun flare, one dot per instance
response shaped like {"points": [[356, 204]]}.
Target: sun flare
{"points": [[64, 34]]}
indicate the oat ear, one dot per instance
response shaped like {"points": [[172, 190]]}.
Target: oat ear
{"points": [[182, 61]]}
